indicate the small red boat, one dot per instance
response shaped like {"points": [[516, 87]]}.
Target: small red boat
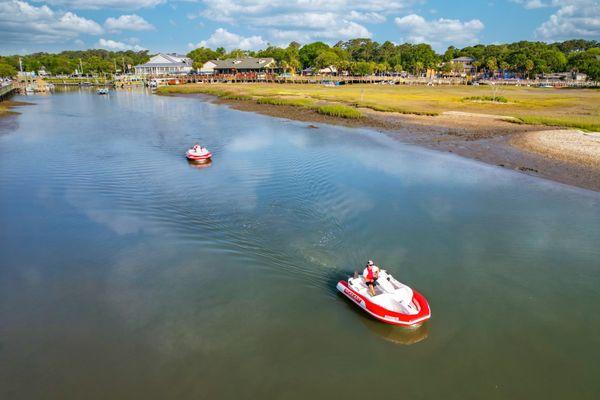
{"points": [[198, 153], [394, 302]]}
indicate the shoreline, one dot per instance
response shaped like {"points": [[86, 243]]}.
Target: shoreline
{"points": [[487, 138], [6, 107]]}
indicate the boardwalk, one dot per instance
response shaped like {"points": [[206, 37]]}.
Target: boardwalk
{"points": [[7, 90]]}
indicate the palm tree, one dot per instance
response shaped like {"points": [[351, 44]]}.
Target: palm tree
{"points": [[418, 67], [284, 65], [528, 66], [492, 65], [476, 64]]}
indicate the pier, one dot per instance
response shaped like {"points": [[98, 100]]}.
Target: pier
{"points": [[7, 90]]}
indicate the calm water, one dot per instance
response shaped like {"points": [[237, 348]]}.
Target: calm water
{"points": [[125, 272]]}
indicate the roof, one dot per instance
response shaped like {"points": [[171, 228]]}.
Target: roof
{"points": [[243, 63], [464, 59], [168, 60]]}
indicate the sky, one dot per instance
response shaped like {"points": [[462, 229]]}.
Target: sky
{"points": [[28, 26]]}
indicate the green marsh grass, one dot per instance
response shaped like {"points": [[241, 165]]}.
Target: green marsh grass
{"points": [[576, 108], [337, 110]]}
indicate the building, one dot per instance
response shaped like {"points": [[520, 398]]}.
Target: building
{"points": [[165, 64], [208, 67], [565, 76], [239, 66], [467, 64], [331, 70]]}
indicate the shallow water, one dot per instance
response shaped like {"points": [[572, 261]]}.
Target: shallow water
{"points": [[126, 272]]}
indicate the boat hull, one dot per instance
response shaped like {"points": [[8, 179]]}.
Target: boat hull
{"points": [[203, 158], [388, 316]]}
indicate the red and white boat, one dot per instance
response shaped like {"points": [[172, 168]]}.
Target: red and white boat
{"points": [[394, 302], [198, 153]]}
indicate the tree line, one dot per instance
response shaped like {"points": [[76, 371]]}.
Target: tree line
{"points": [[357, 56], [95, 61], [365, 57]]}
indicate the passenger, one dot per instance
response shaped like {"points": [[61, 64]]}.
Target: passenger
{"points": [[371, 273], [203, 151]]}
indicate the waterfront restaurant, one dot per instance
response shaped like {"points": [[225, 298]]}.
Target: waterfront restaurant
{"points": [[240, 65], [165, 64]]}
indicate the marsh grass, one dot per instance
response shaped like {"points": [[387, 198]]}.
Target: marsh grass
{"points": [[491, 99], [278, 101], [553, 107], [392, 109], [236, 96], [338, 110], [567, 122]]}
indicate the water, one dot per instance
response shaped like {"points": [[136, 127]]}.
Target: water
{"points": [[126, 272]]}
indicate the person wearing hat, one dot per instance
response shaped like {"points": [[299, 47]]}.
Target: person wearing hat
{"points": [[371, 273]]}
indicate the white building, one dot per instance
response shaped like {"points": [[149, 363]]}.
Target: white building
{"points": [[165, 64], [208, 67]]}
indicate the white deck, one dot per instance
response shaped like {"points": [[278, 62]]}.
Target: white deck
{"points": [[389, 293]]}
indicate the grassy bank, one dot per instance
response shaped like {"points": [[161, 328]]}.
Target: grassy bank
{"points": [[554, 107], [319, 106]]}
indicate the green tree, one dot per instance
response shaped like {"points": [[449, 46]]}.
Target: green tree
{"points": [[361, 68], [491, 65], [201, 55], [450, 54], [326, 59], [528, 67], [555, 60], [418, 67], [587, 62], [309, 53], [7, 70]]}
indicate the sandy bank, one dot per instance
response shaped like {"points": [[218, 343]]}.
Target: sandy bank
{"points": [[568, 145]]}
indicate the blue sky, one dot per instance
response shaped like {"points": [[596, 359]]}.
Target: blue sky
{"points": [[181, 25]]}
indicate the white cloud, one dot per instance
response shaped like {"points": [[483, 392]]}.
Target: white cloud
{"points": [[131, 22], [531, 4], [573, 19], [369, 17], [109, 44], [21, 22], [439, 33], [303, 20], [223, 38], [98, 4], [72, 22], [310, 26], [341, 31]]}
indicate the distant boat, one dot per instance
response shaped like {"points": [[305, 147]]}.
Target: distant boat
{"points": [[102, 91]]}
